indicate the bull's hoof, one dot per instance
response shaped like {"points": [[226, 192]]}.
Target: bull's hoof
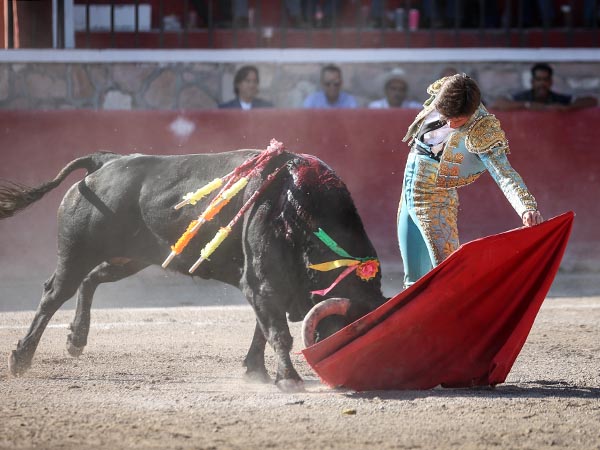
{"points": [[258, 376], [74, 350], [290, 386], [16, 367]]}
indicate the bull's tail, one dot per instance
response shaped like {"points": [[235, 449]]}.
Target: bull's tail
{"points": [[15, 196]]}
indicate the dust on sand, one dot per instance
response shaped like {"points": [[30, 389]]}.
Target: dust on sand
{"points": [[172, 378]]}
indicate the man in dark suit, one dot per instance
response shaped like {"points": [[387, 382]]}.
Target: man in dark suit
{"points": [[245, 86]]}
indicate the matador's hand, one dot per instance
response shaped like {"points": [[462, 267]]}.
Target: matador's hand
{"points": [[531, 218]]}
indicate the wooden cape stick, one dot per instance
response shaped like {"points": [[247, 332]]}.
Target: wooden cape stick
{"points": [[236, 180], [224, 232], [211, 211]]}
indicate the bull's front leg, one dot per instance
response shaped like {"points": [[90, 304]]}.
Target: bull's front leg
{"points": [[279, 337], [272, 320], [268, 276]]}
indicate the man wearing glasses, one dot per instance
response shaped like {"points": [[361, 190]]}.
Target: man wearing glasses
{"points": [[453, 140], [331, 94]]}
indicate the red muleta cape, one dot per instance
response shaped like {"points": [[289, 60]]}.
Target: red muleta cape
{"points": [[462, 324]]}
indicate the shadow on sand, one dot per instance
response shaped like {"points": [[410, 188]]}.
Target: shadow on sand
{"points": [[536, 389]]}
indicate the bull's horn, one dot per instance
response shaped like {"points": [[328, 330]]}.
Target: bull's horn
{"points": [[329, 307]]}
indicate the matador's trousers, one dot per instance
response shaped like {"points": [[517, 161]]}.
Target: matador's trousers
{"points": [[427, 219]]}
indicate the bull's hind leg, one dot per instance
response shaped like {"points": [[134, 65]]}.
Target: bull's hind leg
{"points": [[255, 359], [104, 273], [59, 288]]}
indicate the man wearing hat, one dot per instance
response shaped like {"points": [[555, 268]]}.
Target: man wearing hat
{"points": [[395, 88]]}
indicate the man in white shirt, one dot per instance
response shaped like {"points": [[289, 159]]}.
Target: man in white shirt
{"points": [[395, 89]]}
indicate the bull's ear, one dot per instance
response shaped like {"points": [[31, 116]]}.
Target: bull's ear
{"points": [[316, 328]]}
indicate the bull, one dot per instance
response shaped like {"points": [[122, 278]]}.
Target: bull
{"points": [[120, 219]]}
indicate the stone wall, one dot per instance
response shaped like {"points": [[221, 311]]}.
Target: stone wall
{"points": [[174, 86]]}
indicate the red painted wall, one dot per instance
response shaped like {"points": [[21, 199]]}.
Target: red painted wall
{"points": [[556, 153]]}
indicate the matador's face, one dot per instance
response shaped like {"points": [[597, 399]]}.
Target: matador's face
{"points": [[457, 122]]}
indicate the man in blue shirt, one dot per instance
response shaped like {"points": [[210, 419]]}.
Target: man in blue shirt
{"points": [[331, 94]]}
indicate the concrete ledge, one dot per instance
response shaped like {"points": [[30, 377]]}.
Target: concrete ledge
{"points": [[304, 55]]}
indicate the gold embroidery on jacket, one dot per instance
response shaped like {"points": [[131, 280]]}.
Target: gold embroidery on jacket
{"points": [[455, 139], [519, 193], [485, 134], [448, 170], [455, 158], [453, 142], [437, 211], [435, 87], [449, 173], [456, 182]]}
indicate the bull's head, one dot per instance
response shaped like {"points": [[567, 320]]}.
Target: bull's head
{"points": [[333, 314], [318, 200]]}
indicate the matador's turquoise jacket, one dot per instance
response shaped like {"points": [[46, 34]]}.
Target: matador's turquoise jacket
{"points": [[478, 145]]}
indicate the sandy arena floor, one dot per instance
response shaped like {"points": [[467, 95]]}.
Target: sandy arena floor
{"points": [[172, 378]]}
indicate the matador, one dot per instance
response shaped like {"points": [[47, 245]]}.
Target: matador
{"points": [[453, 140]]}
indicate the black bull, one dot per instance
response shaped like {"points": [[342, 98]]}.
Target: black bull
{"points": [[120, 219]]}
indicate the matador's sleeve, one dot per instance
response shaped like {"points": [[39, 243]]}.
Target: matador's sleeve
{"points": [[487, 139]]}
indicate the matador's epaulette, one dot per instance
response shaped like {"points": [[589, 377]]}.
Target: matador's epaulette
{"points": [[435, 87], [486, 134]]}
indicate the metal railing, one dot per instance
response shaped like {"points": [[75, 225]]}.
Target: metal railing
{"points": [[352, 24]]}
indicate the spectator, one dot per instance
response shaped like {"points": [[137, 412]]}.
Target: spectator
{"points": [[539, 12], [245, 86], [221, 16], [331, 95], [239, 11], [395, 89], [381, 13], [591, 12], [465, 13], [541, 97], [293, 9], [435, 14], [324, 13], [241, 19]]}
